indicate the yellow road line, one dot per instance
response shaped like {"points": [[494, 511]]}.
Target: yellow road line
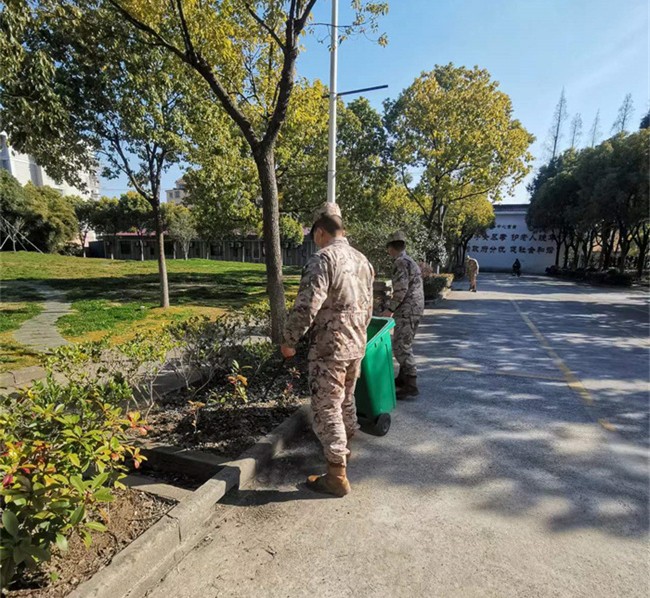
{"points": [[479, 370], [569, 377]]}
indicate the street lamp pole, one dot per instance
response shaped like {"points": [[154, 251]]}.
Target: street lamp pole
{"points": [[331, 140]]}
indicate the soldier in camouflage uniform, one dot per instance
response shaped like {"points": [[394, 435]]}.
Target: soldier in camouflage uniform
{"points": [[406, 307], [335, 304], [471, 267]]}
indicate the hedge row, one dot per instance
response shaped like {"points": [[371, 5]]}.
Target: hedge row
{"points": [[610, 277]]}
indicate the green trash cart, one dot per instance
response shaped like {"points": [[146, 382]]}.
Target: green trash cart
{"points": [[375, 391]]}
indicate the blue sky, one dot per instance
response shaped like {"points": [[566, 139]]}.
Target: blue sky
{"points": [[597, 50]]}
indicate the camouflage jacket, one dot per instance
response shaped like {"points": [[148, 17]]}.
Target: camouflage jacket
{"points": [[334, 302], [408, 290], [472, 266]]}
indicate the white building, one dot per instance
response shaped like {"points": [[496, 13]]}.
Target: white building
{"points": [[25, 169], [511, 239], [177, 194]]}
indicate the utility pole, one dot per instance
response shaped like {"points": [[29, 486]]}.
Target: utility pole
{"points": [[333, 96]]}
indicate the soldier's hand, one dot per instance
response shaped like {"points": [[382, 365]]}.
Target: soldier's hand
{"points": [[287, 352]]}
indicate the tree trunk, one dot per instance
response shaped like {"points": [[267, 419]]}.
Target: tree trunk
{"points": [[13, 242], [558, 246], [576, 256], [608, 247], [642, 241], [625, 249], [640, 263], [162, 266], [265, 162], [141, 250]]}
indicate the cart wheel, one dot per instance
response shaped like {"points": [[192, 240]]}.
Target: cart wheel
{"points": [[382, 425]]}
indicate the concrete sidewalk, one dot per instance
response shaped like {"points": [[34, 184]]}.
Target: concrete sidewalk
{"points": [[40, 332], [498, 481]]}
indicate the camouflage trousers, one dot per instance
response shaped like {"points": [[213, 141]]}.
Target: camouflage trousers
{"points": [[405, 329], [472, 280], [332, 401]]}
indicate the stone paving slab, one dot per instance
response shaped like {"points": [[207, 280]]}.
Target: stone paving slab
{"points": [[40, 333]]}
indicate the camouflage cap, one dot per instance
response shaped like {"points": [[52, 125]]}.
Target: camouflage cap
{"points": [[397, 236], [331, 210]]}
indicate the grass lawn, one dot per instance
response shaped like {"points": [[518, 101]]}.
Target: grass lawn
{"points": [[12, 315], [120, 298]]}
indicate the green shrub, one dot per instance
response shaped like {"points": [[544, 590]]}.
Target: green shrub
{"points": [[64, 447], [611, 277], [436, 284], [619, 279]]}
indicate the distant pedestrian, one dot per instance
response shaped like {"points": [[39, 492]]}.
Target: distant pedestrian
{"points": [[407, 307], [471, 268], [516, 268]]}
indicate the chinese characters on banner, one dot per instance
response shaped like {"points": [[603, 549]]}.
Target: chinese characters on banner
{"points": [[528, 243]]}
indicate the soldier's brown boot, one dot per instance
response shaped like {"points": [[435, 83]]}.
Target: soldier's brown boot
{"points": [[334, 482], [409, 388]]}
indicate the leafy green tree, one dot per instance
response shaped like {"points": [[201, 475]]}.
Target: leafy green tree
{"points": [[394, 212], [600, 227], [108, 220], [291, 231], [363, 169], [138, 216], [553, 190], [245, 53], [362, 172], [13, 208], [622, 190], [181, 226], [84, 209], [454, 138], [645, 121], [79, 84], [466, 220], [596, 197], [222, 198], [52, 221]]}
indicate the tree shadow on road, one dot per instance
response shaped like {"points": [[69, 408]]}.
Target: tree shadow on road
{"points": [[499, 429]]}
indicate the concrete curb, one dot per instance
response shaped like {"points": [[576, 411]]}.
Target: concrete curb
{"points": [[149, 557], [200, 465]]}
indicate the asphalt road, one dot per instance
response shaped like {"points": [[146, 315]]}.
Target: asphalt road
{"points": [[521, 470]]}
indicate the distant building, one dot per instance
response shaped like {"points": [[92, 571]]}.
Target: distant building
{"points": [[127, 246], [511, 239], [177, 194], [25, 169]]}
